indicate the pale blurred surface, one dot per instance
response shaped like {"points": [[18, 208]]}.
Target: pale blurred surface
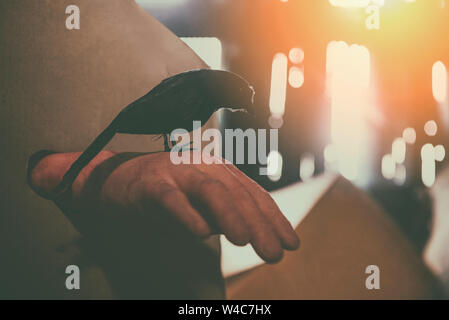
{"points": [[342, 235], [295, 202], [437, 250]]}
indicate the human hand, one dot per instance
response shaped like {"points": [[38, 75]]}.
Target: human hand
{"points": [[205, 199]]}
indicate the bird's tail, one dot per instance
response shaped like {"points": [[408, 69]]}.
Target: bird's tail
{"points": [[83, 160]]}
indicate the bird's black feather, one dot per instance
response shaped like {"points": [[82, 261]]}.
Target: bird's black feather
{"points": [[179, 100]]}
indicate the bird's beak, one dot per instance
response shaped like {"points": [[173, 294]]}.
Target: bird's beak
{"points": [[251, 110]]}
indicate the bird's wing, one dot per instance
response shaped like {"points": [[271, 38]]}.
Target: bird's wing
{"points": [[174, 103], [184, 97]]}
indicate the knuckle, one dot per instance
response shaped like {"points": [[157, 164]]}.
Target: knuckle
{"points": [[166, 192], [240, 189], [144, 190], [209, 184]]}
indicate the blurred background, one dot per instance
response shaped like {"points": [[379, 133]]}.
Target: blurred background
{"points": [[358, 87]]}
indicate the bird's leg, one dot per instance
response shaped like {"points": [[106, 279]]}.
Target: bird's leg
{"points": [[187, 144], [166, 145]]}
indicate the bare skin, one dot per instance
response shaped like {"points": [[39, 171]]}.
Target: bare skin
{"points": [[205, 199]]}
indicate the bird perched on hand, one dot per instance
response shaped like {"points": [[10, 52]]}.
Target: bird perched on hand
{"points": [[175, 103]]}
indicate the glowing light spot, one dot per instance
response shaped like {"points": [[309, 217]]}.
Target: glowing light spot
{"points": [[439, 82], [440, 153], [428, 169], [348, 85], [427, 152], [431, 128], [401, 175], [278, 84], [274, 166], [330, 153], [409, 135], [307, 167], [296, 77], [399, 150], [388, 167], [275, 122], [296, 55]]}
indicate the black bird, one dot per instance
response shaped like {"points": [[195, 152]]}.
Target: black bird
{"points": [[173, 104]]}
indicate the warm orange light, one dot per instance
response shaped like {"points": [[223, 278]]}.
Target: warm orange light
{"points": [[409, 135], [296, 77], [348, 80], [349, 3], [296, 55], [439, 82], [356, 3], [431, 128]]}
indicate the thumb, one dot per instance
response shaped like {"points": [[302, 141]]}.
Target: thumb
{"points": [[46, 169]]}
